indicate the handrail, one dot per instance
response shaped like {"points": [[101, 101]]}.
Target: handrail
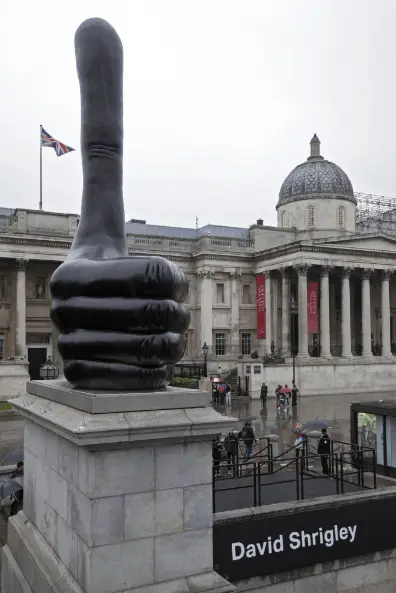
{"points": [[302, 474]]}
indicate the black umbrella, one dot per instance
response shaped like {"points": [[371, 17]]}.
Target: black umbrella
{"points": [[316, 425], [13, 458], [10, 487], [247, 418]]}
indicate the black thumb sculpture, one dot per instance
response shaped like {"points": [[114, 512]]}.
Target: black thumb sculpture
{"points": [[121, 319]]}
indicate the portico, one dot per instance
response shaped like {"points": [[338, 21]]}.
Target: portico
{"points": [[355, 314]]}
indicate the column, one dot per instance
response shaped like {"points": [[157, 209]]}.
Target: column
{"points": [[285, 311], [302, 272], [274, 308], [366, 314], [325, 313], [235, 299], [385, 314], [268, 313], [20, 306], [206, 309], [346, 313]]}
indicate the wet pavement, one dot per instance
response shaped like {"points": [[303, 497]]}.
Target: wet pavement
{"points": [[335, 409], [11, 433]]}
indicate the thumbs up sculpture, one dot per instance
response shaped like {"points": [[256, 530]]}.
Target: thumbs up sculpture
{"points": [[121, 319]]}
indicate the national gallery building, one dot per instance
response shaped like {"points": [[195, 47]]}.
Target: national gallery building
{"points": [[319, 285]]}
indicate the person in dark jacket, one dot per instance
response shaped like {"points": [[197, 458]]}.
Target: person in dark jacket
{"points": [[294, 394], [324, 450], [248, 437], [216, 455], [18, 472], [263, 393], [231, 445]]}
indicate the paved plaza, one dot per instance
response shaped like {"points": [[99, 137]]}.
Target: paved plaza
{"points": [[335, 409]]}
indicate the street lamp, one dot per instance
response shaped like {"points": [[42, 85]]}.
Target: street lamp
{"points": [[293, 311], [49, 371], [205, 350]]}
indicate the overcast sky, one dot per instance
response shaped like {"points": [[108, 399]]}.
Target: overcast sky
{"points": [[221, 99]]}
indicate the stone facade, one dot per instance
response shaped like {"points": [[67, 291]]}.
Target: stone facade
{"points": [[357, 297]]}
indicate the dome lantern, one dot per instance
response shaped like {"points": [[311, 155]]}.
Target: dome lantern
{"points": [[315, 149]]}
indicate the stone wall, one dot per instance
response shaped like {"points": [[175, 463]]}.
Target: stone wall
{"points": [[373, 573], [340, 376]]}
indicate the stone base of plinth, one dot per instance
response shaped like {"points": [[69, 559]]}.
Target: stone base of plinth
{"points": [[114, 502], [28, 553]]}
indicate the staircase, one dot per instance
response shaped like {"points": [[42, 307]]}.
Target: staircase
{"points": [[232, 379]]}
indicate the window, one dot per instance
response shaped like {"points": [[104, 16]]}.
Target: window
{"points": [[220, 344], [33, 339], [1, 346], [220, 293], [341, 217], [246, 296], [186, 344], [285, 219], [39, 289], [246, 344], [311, 216]]}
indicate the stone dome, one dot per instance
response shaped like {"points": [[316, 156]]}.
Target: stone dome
{"points": [[316, 178]]}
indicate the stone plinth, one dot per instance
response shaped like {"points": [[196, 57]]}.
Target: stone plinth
{"points": [[115, 501]]}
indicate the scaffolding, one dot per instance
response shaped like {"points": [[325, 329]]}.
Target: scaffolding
{"points": [[375, 213]]}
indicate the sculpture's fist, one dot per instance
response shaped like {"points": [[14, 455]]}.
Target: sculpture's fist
{"points": [[122, 322], [121, 319]]}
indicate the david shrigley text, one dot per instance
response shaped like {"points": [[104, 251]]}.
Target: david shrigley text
{"points": [[295, 540]]}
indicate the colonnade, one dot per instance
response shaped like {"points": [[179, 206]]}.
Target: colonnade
{"points": [[301, 292]]}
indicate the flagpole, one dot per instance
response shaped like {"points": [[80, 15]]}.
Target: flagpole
{"points": [[41, 170]]}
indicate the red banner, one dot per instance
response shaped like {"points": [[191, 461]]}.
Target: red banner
{"points": [[260, 305], [313, 323]]}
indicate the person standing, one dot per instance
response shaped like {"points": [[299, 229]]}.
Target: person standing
{"points": [[248, 437], [294, 394], [231, 445], [216, 455], [263, 392], [299, 443], [324, 450], [277, 393]]}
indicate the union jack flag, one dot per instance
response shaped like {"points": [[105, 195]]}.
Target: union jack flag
{"points": [[50, 142]]}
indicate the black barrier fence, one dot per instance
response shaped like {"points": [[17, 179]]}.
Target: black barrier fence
{"points": [[295, 474]]}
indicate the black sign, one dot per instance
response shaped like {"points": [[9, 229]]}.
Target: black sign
{"points": [[258, 546]]}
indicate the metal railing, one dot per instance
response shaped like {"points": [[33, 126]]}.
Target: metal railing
{"points": [[299, 467]]}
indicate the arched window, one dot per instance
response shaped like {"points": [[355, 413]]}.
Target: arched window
{"points": [[285, 219], [341, 217], [311, 216]]}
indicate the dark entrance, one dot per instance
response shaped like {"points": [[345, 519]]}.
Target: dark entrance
{"points": [[36, 357]]}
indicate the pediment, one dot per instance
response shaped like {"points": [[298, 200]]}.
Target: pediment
{"points": [[378, 242]]}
